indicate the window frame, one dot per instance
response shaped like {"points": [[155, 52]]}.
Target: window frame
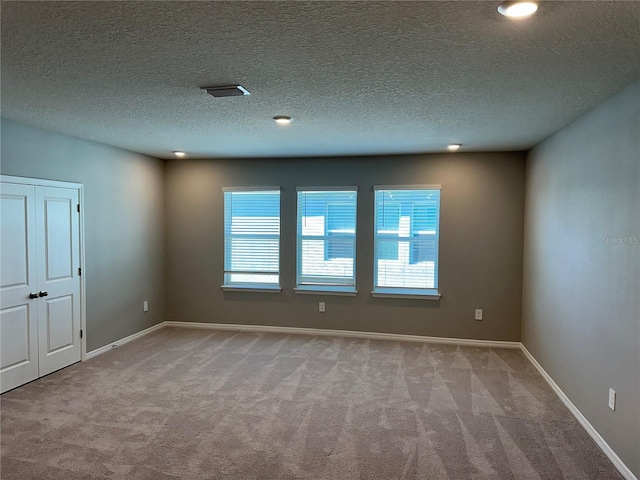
{"points": [[264, 287], [324, 288], [406, 292]]}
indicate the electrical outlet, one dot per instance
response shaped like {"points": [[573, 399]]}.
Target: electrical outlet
{"points": [[478, 314], [145, 306], [321, 307], [612, 399]]}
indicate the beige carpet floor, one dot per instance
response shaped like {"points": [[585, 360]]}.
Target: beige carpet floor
{"points": [[203, 404]]}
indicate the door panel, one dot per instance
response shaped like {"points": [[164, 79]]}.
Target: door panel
{"points": [[18, 312], [58, 218], [59, 324], [58, 262], [16, 333], [15, 243]]}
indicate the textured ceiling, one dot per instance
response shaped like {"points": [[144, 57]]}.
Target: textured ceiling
{"points": [[358, 77]]}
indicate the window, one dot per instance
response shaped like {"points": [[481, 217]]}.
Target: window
{"points": [[406, 241], [252, 238], [326, 240]]}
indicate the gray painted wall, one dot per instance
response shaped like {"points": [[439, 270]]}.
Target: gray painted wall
{"points": [[124, 230], [581, 307], [480, 247]]}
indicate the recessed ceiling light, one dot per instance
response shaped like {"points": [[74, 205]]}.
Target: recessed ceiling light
{"points": [[517, 9], [282, 120], [454, 146], [179, 154]]}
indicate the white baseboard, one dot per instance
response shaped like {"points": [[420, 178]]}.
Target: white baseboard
{"points": [[106, 348], [345, 333], [604, 446]]}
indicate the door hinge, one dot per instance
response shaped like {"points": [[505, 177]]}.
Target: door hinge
{"points": [[79, 271], [80, 333], [78, 208]]}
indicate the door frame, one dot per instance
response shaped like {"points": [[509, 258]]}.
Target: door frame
{"points": [[41, 182]]}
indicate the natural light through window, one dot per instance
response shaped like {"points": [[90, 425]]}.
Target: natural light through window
{"points": [[252, 237], [326, 239], [406, 240]]}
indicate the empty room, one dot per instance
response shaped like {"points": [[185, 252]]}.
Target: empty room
{"points": [[320, 240]]}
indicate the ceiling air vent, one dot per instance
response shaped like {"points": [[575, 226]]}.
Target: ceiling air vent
{"points": [[227, 91]]}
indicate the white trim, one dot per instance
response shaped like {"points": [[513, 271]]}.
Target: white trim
{"points": [[40, 182], [251, 189], [326, 290], [413, 293], [407, 187], [604, 446], [345, 333], [601, 442], [338, 188], [251, 288], [83, 279], [122, 341]]}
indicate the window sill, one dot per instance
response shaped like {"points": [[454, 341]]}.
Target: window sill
{"points": [[252, 288], [326, 290], [416, 293]]}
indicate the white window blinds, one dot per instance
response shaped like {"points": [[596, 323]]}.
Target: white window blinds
{"points": [[326, 237], [252, 236], [406, 238]]}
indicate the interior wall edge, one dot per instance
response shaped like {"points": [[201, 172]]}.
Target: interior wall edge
{"points": [[124, 223], [581, 266]]}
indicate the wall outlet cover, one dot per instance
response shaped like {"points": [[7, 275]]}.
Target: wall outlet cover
{"points": [[612, 399]]}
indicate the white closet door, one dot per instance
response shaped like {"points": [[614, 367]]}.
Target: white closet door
{"points": [[18, 312], [58, 250]]}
